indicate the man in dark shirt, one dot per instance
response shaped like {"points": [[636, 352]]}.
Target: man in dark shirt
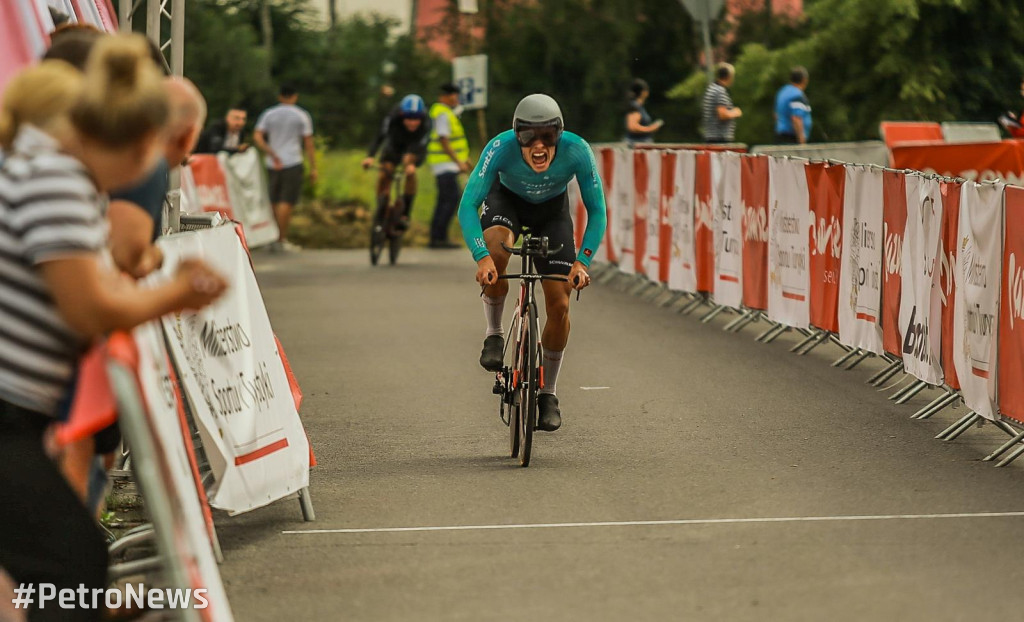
{"points": [[404, 135], [227, 134]]}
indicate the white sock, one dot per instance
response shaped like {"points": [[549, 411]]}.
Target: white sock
{"points": [[552, 363], [493, 308]]}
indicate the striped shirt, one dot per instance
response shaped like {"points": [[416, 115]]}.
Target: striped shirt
{"points": [[715, 129], [49, 209]]}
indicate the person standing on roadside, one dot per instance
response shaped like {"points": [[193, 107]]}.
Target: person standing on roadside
{"points": [[718, 111], [793, 110], [447, 155], [283, 133], [227, 134], [640, 127]]}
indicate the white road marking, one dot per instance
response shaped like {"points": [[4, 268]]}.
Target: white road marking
{"points": [[660, 523], [594, 388]]}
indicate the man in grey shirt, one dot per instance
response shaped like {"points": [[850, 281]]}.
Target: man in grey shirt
{"points": [[718, 112], [282, 133]]}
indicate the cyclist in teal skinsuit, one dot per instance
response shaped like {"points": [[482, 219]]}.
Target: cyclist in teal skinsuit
{"points": [[521, 179]]}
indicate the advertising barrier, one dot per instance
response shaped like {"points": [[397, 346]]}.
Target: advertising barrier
{"points": [[894, 225], [728, 229], [235, 381], [920, 302], [948, 247], [647, 205], [825, 183], [623, 218], [1011, 309], [788, 224], [249, 197], [860, 275], [682, 275], [754, 192], [976, 308], [703, 225]]}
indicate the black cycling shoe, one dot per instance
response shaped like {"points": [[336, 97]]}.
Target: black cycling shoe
{"points": [[549, 418], [492, 358]]}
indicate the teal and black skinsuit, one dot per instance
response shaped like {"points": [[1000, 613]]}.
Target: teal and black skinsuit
{"points": [[516, 195]]}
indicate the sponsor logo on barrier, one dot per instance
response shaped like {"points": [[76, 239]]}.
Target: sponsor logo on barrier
{"points": [[893, 252], [246, 392], [212, 195], [916, 341], [827, 237], [977, 272], [1015, 285], [222, 341], [704, 215], [980, 323], [755, 224]]}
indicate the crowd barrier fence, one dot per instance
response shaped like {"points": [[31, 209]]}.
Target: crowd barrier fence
{"points": [[925, 272]]}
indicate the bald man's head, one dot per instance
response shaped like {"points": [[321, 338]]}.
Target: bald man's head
{"points": [[188, 114]]}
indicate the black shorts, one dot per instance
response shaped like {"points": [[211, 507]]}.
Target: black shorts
{"points": [[504, 208], [393, 153], [285, 184]]}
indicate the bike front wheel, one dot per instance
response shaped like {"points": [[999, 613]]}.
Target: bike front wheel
{"points": [[377, 238], [528, 384]]}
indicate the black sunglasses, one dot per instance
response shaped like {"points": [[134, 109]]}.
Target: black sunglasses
{"points": [[548, 134]]}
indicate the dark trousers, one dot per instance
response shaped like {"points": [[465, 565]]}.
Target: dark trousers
{"points": [[46, 534], [448, 196]]}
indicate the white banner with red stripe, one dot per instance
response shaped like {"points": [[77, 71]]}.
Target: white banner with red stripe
{"points": [[623, 216], [647, 179], [978, 275], [235, 381], [249, 196], [860, 282], [921, 297], [682, 274], [726, 174], [788, 238]]}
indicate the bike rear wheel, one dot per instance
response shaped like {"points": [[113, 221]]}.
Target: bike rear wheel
{"points": [[377, 237], [529, 384]]}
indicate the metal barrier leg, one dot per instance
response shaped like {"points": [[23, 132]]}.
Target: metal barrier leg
{"points": [[713, 314], [769, 331], [952, 436], [897, 395], [773, 337], [671, 300], [133, 538], [963, 422], [736, 320], [128, 569], [688, 309], [936, 405], [888, 374], [1004, 447], [306, 502], [806, 341], [892, 365], [864, 355], [846, 357], [607, 275], [1013, 456], [914, 391], [822, 338], [755, 316]]}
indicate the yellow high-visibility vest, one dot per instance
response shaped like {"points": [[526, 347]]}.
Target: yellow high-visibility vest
{"points": [[435, 153]]}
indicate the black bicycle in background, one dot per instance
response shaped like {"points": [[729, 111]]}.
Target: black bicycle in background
{"points": [[517, 385], [386, 227]]}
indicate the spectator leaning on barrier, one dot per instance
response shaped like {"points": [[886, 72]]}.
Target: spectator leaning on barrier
{"points": [[793, 109], [1014, 123], [68, 138], [718, 111], [227, 134], [447, 155], [282, 133], [640, 128]]}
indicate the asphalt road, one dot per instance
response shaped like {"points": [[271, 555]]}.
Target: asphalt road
{"points": [[707, 431]]}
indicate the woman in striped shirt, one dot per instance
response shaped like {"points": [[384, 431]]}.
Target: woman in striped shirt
{"points": [[68, 138]]}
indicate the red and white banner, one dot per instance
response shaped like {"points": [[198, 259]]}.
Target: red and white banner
{"points": [[860, 277], [728, 227], [948, 244], [211, 185], [976, 308], [235, 380], [682, 275], [703, 230], [647, 206], [249, 196], [921, 303], [894, 225], [666, 189], [180, 480], [1011, 309], [974, 161], [623, 218], [788, 224], [608, 251], [754, 192], [825, 192]]}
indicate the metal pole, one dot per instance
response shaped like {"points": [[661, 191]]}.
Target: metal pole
{"points": [[153, 8], [125, 10], [178, 37]]}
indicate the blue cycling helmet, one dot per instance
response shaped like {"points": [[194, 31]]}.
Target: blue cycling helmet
{"points": [[412, 107]]}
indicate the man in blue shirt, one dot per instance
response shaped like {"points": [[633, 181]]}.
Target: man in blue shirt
{"points": [[521, 179], [793, 110]]}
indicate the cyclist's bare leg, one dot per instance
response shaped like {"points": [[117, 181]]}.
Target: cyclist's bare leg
{"points": [[493, 238], [409, 162], [387, 170], [556, 303]]}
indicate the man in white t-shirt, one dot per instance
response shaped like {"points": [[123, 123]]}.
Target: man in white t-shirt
{"points": [[283, 132], [447, 155]]}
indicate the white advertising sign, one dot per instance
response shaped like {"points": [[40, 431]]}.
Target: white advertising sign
{"points": [[682, 275], [728, 227], [860, 280], [248, 194], [789, 223], [470, 74], [921, 297]]}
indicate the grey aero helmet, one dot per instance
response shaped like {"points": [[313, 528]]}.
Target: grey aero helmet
{"points": [[538, 116]]}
